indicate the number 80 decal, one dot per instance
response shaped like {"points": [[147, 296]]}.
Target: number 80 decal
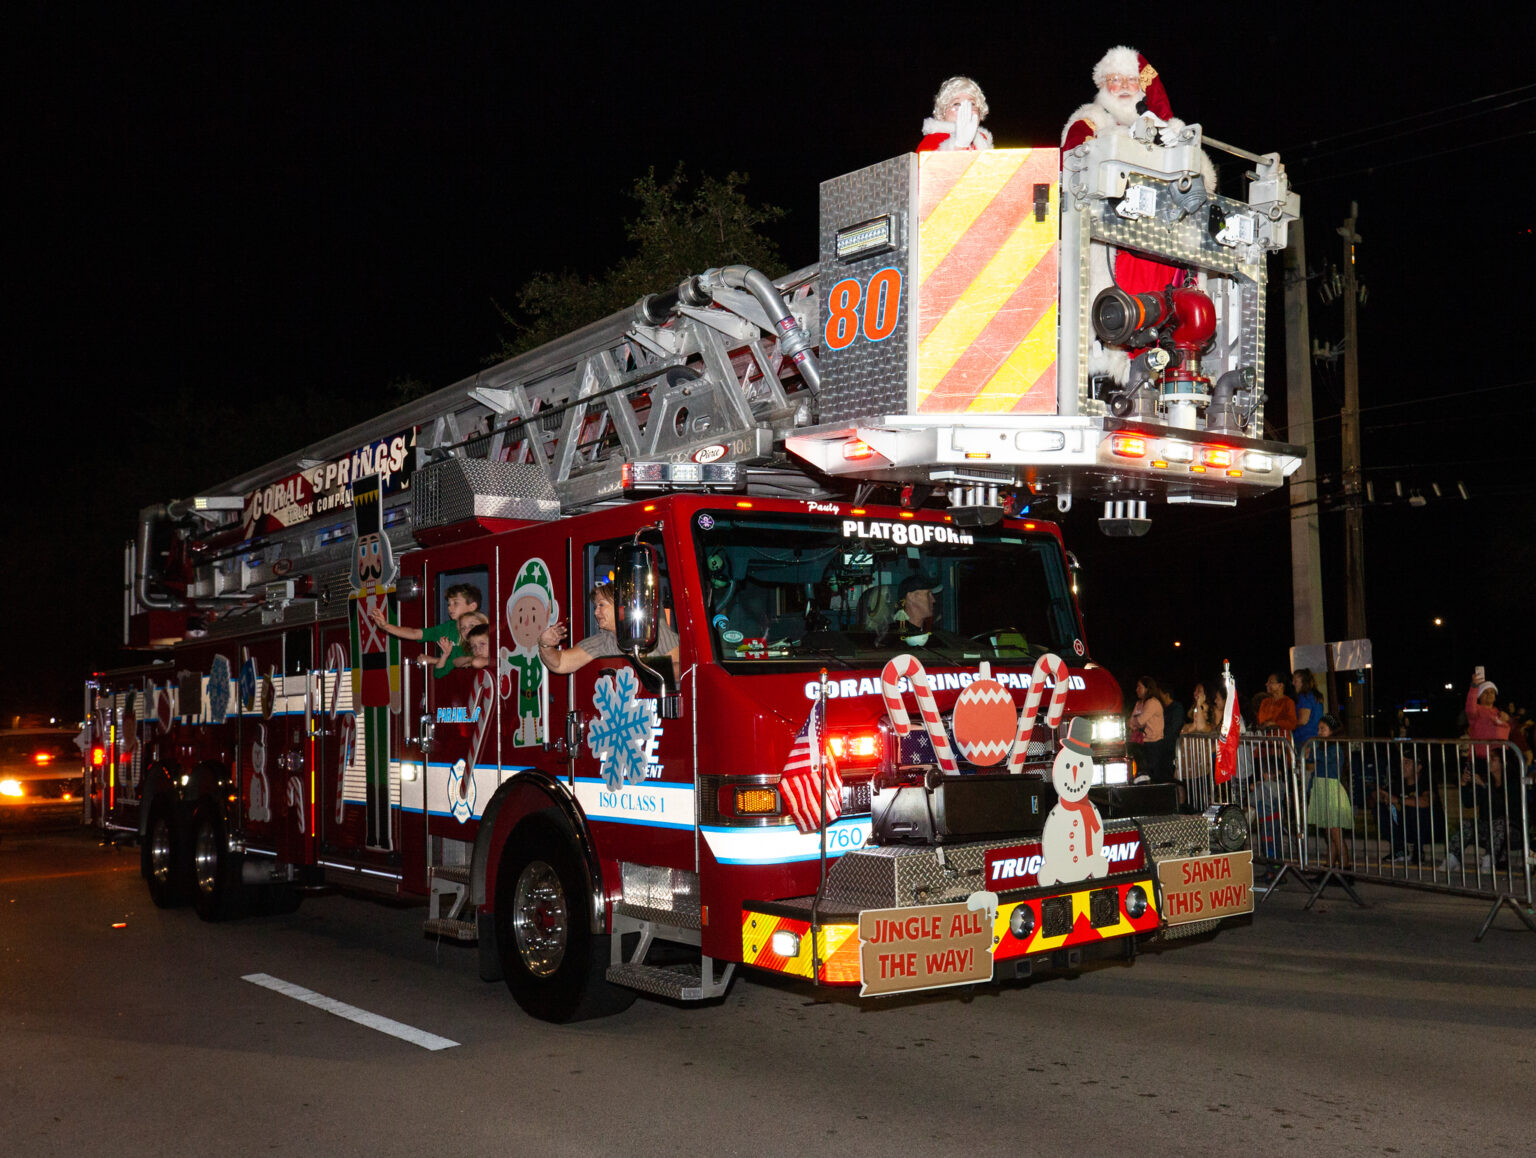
{"points": [[852, 308]]}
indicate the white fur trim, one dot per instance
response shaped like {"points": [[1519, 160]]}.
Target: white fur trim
{"points": [[931, 126], [1091, 113], [1115, 363], [1118, 61]]}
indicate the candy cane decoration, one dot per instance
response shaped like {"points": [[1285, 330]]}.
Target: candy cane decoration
{"points": [[480, 701], [1052, 663], [890, 686], [336, 660], [346, 738]]}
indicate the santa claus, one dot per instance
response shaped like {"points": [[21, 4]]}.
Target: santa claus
{"points": [[1130, 91], [958, 110]]}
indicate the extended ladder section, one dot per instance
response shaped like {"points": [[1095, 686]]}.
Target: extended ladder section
{"points": [[965, 332]]}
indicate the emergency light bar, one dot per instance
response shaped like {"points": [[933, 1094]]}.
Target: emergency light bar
{"points": [[672, 476]]}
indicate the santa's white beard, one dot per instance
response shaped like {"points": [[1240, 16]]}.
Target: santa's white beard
{"points": [[1122, 107]]}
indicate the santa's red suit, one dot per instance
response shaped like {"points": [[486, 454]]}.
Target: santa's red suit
{"points": [[1115, 113]]}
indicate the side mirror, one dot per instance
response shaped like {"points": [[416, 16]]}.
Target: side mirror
{"points": [[637, 620], [637, 597]]}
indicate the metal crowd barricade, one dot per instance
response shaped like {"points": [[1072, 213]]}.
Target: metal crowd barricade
{"points": [[1265, 787], [1452, 816]]}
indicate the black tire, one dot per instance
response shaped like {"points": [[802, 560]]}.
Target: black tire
{"points": [[554, 965], [161, 858], [215, 872]]}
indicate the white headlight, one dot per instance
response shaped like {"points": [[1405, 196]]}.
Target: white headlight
{"points": [[785, 943], [1108, 730]]}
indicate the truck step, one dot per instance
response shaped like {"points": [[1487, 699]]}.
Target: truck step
{"points": [[457, 873], [465, 931], [679, 982]]}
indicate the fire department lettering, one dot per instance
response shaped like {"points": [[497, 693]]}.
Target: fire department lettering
{"points": [[458, 715]]}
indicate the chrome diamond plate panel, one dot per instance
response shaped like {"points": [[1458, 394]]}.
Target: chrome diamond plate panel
{"points": [[893, 876], [457, 489], [868, 378]]}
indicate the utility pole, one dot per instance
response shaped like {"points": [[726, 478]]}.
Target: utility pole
{"points": [[1306, 565], [1354, 489]]}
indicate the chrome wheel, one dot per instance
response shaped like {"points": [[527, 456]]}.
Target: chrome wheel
{"points": [[540, 920], [162, 856], [206, 856]]}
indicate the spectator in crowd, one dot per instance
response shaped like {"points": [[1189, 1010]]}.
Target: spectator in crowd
{"points": [[1328, 805], [1276, 709], [1309, 706], [1488, 799], [1405, 808], [1147, 727], [1200, 719]]}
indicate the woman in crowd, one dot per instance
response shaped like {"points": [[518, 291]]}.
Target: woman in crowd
{"points": [[1309, 706], [1275, 708]]}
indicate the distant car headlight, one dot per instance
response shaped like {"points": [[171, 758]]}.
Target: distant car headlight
{"points": [[10, 787]]}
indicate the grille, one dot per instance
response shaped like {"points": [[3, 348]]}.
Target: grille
{"points": [[1104, 907], [1056, 916]]}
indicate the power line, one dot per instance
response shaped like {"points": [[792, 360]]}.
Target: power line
{"points": [[1414, 117], [1419, 157], [1307, 160]]}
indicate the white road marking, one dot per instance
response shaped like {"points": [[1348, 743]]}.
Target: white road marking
{"points": [[341, 1009]]}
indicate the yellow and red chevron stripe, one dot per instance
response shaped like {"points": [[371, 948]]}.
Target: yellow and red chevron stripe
{"points": [[1007, 945], [987, 274], [839, 948]]}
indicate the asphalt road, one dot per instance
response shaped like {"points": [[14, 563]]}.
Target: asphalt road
{"points": [[128, 1030]]}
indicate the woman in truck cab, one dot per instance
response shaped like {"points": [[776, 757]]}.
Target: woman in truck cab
{"points": [[602, 643]]}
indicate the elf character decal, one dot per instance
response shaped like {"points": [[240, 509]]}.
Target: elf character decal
{"points": [[376, 654], [531, 608]]}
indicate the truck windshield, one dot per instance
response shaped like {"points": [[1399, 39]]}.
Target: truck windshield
{"points": [[808, 590]]}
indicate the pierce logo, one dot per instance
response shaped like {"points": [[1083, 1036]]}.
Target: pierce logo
{"points": [[709, 453]]}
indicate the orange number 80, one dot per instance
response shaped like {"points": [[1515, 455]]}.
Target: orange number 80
{"points": [[882, 310]]}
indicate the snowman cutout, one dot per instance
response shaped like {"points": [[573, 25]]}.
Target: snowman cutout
{"points": [[1072, 843]]}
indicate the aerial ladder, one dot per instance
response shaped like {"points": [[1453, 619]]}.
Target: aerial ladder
{"points": [[949, 343]]}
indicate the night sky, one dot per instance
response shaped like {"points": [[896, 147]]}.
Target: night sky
{"points": [[238, 224]]}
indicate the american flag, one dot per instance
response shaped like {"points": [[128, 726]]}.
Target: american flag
{"points": [[800, 782]]}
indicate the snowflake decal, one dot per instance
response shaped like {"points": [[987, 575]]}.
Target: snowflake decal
{"points": [[218, 690], [621, 737]]}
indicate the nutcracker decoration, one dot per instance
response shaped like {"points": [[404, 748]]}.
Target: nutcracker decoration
{"points": [[376, 654]]}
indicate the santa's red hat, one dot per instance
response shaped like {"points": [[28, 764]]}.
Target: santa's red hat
{"points": [[1123, 60]]}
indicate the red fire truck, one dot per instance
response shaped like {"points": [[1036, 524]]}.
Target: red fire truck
{"points": [[753, 474]]}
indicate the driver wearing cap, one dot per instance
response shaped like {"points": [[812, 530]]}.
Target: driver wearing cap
{"points": [[917, 594]]}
